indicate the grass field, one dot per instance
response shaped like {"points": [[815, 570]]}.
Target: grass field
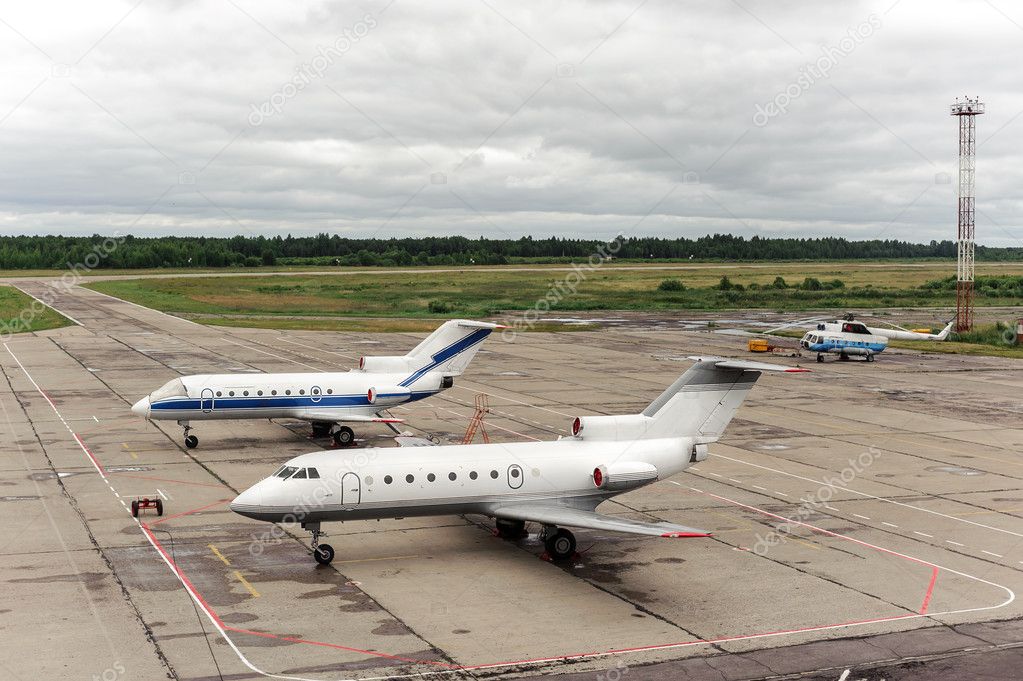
{"points": [[19, 313], [480, 292]]}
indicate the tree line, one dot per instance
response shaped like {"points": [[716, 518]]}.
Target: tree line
{"points": [[131, 252]]}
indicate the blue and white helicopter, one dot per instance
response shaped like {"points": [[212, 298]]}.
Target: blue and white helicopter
{"points": [[850, 338]]}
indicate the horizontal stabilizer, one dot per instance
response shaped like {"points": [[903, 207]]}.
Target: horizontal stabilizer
{"points": [[575, 517]]}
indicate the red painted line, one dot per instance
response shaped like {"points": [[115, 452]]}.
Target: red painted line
{"points": [[823, 531], [179, 482], [361, 651], [194, 510], [930, 590], [181, 575], [95, 461]]}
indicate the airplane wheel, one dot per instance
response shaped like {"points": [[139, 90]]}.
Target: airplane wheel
{"points": [[344, 436], [870, 358], [324, 554], [560, 545], [510, 529], [820, 358], [134, 509], [159, 507], [191, 441]]}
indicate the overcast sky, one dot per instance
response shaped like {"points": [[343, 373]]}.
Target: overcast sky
{"points": [[485, 117]]}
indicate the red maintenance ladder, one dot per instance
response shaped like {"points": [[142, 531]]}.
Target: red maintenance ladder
{"points": [[476, 422]]}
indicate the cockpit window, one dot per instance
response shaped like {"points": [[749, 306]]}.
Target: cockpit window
{"points": [[313, 473], [173, 388], [301, 474], [286, 472]]}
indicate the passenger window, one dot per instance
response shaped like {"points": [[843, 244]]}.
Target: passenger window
{"points": [[515, 472], [301, 474], [330, 391], [219, 393], [388, 479], [287, 392], [493, 474], [452, 476], [260, 393], [246, 393], [273, 392], [472, 475], [231, 393], [410, 478], [431, 477], [301, 392], [313, 473]]}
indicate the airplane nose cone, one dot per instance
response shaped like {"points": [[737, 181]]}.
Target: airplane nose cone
{"points": [[247, 503], [141, 408]]}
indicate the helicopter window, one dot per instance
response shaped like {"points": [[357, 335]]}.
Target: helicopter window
{"points": [[286, 472], [301, 474], [173, 388], [313, 473]]}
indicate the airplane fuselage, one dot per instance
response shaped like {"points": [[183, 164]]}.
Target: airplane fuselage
{"points": [[369, 484], [309, 396]]}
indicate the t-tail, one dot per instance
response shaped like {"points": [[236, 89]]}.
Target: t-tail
{"points": [[700, 404], [447, 351]]}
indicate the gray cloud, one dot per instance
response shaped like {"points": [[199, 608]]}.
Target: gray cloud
{"points": [[505, 119]]}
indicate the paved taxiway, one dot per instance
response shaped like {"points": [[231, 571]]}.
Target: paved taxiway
{"points": [[919, 554]]}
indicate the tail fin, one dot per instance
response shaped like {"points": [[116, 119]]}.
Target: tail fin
{"points": [[700, 404], [944, 332], [449, 349]]}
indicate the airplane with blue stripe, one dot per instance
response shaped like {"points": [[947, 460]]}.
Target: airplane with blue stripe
{"points": [[326, 399]]}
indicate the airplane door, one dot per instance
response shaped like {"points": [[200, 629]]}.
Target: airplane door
{"points": [[515, 476], [315, 393], [206, 400], [351, 489]]}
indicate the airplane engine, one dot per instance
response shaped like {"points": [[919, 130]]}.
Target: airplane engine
{"points": [[623, 475], [384, 365], [610, 427], [388, 394]]}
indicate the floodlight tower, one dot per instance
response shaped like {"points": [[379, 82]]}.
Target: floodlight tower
{"points": [[966, 110]]}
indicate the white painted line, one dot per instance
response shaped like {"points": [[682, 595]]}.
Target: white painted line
{"points": [[996, 555], [735, 481], [861, 516], [696, 490], [286, 359], [781, 493], [889, 524], [62, 314], [924, 534], [955, 543], [160, 492], [95, 419], [832, 508], [714, 474], [760, 488], [872, 496], [148, 309]]}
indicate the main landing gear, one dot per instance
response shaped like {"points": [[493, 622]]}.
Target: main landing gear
{"points": [[559, 542], [323, 553], [820, 357], [191, 441], [511, 529], [343, 435]]}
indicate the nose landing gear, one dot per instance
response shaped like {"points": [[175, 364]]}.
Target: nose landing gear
{"points": [[323, 553], [191, 441]]}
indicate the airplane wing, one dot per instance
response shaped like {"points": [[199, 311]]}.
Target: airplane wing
{"points": [[339, 416], [574, 517]]}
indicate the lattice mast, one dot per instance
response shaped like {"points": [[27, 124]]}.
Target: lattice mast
{"points": [[967, 111]]}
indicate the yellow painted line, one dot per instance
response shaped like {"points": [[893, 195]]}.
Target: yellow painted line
{"points": [[371, 560], [133, 454], [245, 583], [218, 554]]}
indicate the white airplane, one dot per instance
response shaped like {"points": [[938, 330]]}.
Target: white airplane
{"points": [[326, 399], [557, 483], [849, 337]]}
